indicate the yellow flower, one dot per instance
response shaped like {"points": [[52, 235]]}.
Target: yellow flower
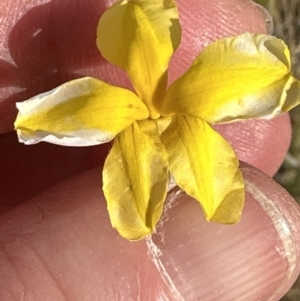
{"points": [[158, 131]]}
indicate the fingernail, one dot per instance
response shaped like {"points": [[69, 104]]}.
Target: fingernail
{"points": [[255, 259], [267, 17], [284, 213]]}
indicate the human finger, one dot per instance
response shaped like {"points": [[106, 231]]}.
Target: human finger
{"points": [[61, 246]]}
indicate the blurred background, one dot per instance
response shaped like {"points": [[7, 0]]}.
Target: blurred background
{"points": [[286, 19]]}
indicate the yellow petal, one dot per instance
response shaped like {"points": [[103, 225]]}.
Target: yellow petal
{"points": [[81, 112], [140, 36], [242, 77], [135, 180], [205, 166]]}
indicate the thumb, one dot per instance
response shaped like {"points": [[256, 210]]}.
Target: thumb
{"points": [[255, 259], [60, 246]]}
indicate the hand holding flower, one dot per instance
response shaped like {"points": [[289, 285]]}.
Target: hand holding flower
{"points": [[162, 130], [65, 230]]}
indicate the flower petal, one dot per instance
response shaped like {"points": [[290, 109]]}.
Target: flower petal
{"points": [[135, 178], [205, 166], [140, 36], [241, 77], [81, 112]]}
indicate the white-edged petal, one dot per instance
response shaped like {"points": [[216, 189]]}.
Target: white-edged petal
{"points": [[81, 112]]}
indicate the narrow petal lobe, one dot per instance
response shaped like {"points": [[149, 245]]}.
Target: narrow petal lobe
{"points": [[242, 77], [205, 166], [140, 36], [135, 178], [81, 112]]}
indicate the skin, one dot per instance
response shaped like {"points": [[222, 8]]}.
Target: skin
{"points": [[56, 242]]}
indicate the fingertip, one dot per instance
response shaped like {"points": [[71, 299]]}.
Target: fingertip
{"points": [[256, 259], [282, 209], [188, 258], [265, 15]]}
